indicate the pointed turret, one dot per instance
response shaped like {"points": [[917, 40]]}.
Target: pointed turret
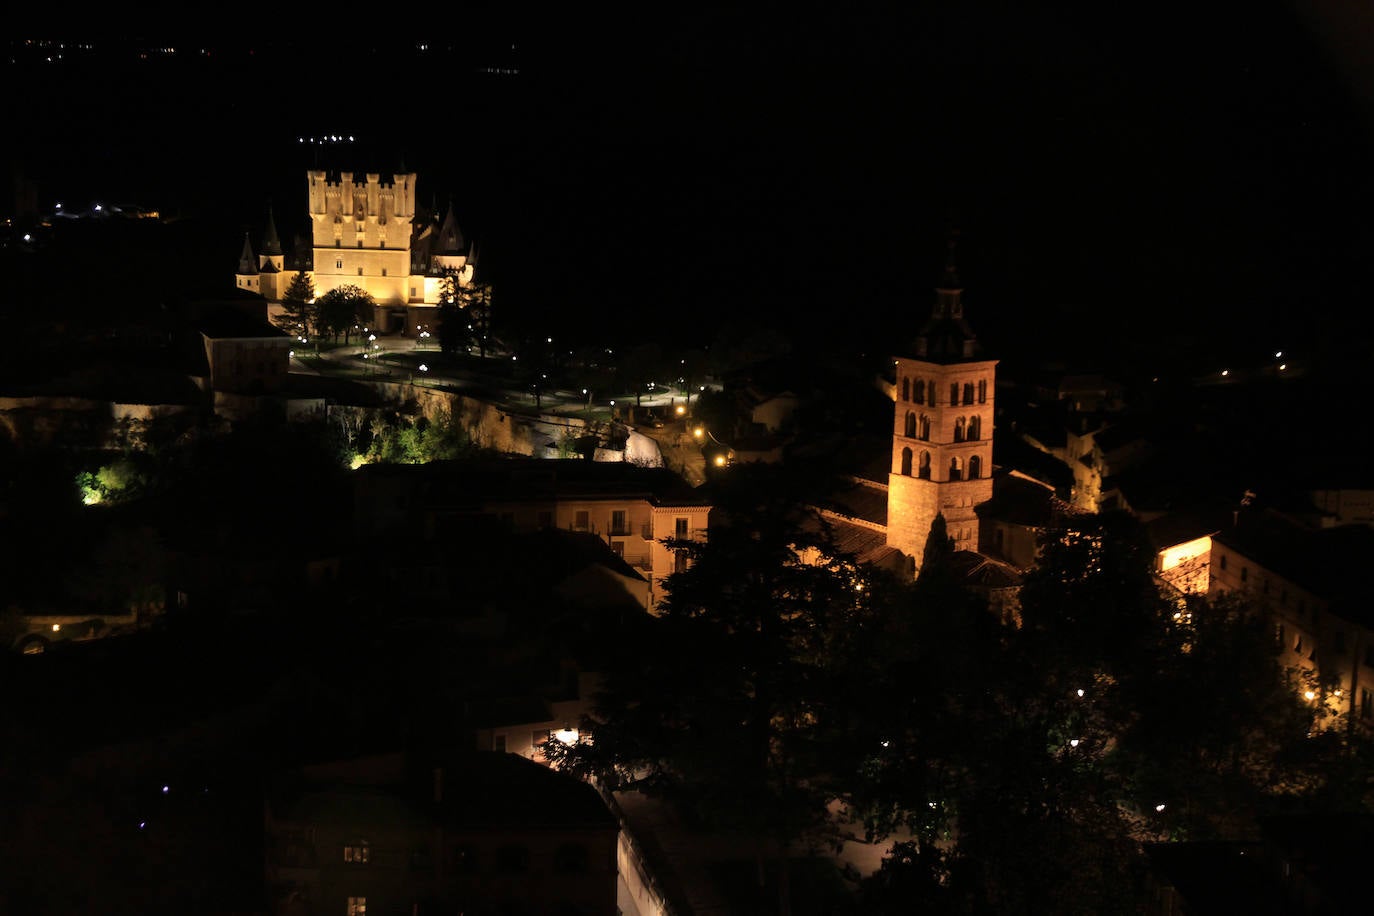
{"points": [[248, 262], [450, 237], [271, 245]]}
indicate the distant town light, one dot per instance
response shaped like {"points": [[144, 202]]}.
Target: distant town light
{"points": [[1278, 354], [56, 627], [1159, 808], [1225, 372], [1073, 742], [1310, 694], [424, 368], [720, 461], [1282, 366], [1080, 691]]}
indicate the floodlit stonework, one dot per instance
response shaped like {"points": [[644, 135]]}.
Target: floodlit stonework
{"points": [[366, 232], [942, 430]]}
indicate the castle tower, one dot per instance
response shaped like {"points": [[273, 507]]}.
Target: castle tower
{"points": [[247, 276], [361, 234], [942, 428]]}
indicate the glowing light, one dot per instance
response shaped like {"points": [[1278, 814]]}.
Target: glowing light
{"points": [[720, 461], [291, 354], [566, 735], [1159, 808], [681, 410], [1309, 694], [166, 789], [698, 432], [424, 368], [1282, 366], [1278, 354], [1073, 742], [56, 627], [1225, 372], [1080, 691]]}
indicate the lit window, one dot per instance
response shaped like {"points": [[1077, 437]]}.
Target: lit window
{"points": [[680, 529], [357, 906], [356, 853]]}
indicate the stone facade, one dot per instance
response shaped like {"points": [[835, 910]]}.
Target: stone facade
{"points": [[364, 233], [943, 400]]}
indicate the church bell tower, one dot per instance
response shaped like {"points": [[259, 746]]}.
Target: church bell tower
{"points": [[942, 428]]}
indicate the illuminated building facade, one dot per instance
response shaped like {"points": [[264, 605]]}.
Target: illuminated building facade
{"points": [[942, 429], [365, 232]]}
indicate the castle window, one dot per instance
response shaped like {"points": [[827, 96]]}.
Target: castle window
{"points": [[953, 393], [975, 467], [956, 470], [982, 391], [968, 392], [906, 388], [931, 392], [959, 430], [923, 469], [360, 243], [910, 429], [1223, 561], [923, 427], [975, 429], [360, 271], [338, 243], [383, 271], [918, 391], [338, 263], [906, 462]]}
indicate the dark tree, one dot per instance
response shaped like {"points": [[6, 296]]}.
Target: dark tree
{"points": [[300, 315]]}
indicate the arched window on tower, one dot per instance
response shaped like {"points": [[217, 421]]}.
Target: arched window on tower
{"points": [[923, 469], [968, 392], [956, 470], [975, 467], [975, 428], [959, 430], [982, 391], [930, 392], [906, 462], [909, 428], [953, 393], [918, 392], [906, 388], [923, 428]]}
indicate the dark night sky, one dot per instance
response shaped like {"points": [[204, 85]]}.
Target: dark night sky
{"points": [[1172, 176]]}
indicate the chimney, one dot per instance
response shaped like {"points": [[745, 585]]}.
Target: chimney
{"points": [[438, 785]]}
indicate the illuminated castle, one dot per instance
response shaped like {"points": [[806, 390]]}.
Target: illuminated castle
{"points": [[942, 429], [365, 233]]}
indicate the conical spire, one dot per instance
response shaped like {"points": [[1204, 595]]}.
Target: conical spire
{"points": [[450, 237], [271, 245], [248, 264]]}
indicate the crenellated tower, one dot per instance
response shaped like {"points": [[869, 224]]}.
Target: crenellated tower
{"points": [[362, 234], [942, 427]]}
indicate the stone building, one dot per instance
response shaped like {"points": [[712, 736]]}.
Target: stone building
{"points": [[366, 231], [942, 429]]}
